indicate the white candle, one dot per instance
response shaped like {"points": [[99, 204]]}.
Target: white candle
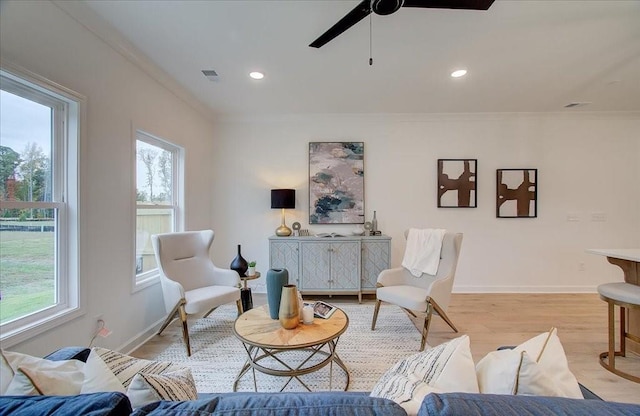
{"points": [[307, 315]]}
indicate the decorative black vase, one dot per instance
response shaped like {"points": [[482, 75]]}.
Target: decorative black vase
{"points": [[276, 280], [239, 264]]}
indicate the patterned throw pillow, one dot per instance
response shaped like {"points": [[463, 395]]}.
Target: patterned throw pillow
{"points": [[176, 386], [449, 367], [107, 370]]}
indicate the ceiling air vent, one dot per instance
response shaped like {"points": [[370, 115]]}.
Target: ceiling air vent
{"points": [[576, 104], [210, 74]]}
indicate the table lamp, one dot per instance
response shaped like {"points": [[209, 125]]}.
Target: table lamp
{"points": [[283, 198]]}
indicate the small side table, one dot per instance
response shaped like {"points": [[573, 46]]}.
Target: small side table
{"points": [[245, 292]]}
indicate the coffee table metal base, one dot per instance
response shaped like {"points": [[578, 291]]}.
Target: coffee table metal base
{"points": [[306, 365]]}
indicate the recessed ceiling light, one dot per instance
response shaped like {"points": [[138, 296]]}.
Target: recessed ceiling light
{"points": [[459, 73], [256, 75]]}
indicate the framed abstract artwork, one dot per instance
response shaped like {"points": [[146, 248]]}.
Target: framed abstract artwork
{"points": [[457, 185], [336, 183], [516, 193]]}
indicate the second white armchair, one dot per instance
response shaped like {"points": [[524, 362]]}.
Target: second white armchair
{"points": [[427, 294]]}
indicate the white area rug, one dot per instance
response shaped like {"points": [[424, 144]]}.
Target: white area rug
{"points": [[217, 355]]}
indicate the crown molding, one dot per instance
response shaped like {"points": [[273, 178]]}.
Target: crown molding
{"points": [[90, 20]]}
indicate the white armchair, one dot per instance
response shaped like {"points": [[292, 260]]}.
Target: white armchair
{"points": [[191, 283], [426, 293]]}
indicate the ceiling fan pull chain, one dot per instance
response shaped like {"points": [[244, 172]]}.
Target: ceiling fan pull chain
{"points": [[370, 40]]}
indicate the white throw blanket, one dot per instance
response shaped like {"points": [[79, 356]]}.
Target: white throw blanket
{"points": [[422, 254]]}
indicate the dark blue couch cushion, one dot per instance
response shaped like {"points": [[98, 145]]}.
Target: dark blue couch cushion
{"points": [[278, 404], [96, 404], [465, 404]]}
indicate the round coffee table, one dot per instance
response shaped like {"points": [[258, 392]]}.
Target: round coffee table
{"points": [[267, 343]]}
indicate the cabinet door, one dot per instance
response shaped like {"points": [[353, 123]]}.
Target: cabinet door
{"points": [[284, 255], [376, 257], [316, 260], [345, 265]]}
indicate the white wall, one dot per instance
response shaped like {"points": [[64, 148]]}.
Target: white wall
{"points": [[587, 163], [43, 39]]}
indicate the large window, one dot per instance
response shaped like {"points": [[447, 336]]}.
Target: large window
{"points": [[158, 199], [39, 135]]}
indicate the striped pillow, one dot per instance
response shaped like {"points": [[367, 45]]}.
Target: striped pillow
{"points": [[446, 368], [125, 367], [107, 370], [148, 388]]}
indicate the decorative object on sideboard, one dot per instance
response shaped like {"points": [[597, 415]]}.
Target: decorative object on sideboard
{"points": [[457, 183], [283, 199], [371, 227], [276, 280], [239, 264], [516, 193], [289, 310], [336, 182], [296, 229]]}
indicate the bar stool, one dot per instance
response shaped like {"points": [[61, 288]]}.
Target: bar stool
{"points": [[624, 295]]}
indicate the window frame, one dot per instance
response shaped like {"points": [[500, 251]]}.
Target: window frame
{"points": [[151, 277], [67, 135]]}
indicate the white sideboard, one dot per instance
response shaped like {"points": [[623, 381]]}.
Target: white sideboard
{"points": [[331, 265]]}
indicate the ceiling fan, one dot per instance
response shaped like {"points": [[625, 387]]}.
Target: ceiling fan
{"points": [[385, 7]]}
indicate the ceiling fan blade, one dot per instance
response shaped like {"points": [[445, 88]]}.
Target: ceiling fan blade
{"points": [[450, 4], [361, 11]]}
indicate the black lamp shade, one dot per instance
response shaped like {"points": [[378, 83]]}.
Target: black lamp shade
{"points": [[283, 198]]}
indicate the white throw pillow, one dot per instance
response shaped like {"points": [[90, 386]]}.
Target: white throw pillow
{"points": [[512, 372], [536, 367], [448, 367], [546, 349], [176, 386], [98, 377], [28, 375]]}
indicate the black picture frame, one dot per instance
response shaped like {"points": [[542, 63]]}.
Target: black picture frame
{"points": [[461, 191], [517, 193]]}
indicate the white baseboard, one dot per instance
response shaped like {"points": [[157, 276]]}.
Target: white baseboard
{"points": [[525, 289], [498, 289], [135, 342]]}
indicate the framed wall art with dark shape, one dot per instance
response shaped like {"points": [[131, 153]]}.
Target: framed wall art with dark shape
{"points": [[336, 183], [457, 183], [516, 193]]}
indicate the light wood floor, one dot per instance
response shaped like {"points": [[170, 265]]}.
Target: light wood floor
{"points": [[492, 320]]}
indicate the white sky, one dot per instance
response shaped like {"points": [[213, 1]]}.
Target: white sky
{"points": [[23, 121]]}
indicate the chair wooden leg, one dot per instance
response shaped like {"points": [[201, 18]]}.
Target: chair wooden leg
{"points": [[623, 331], [425, 327], [239, 306], [442, 314], [375, 314], [172, 315], [185, 329]]}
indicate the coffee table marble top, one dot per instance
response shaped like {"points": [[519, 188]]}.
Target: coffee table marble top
{"points": [[255, 327]]}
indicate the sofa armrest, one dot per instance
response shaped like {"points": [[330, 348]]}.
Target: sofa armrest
{"points": [[469, 404], [70, 353]]}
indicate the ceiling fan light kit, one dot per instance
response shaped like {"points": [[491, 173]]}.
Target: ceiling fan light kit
{"points": [[386, 7]]}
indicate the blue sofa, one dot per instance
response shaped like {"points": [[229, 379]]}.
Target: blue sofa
{"points": [[308, 404]]}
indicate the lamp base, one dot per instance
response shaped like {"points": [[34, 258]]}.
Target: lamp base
{"points": [[283, 231]]}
